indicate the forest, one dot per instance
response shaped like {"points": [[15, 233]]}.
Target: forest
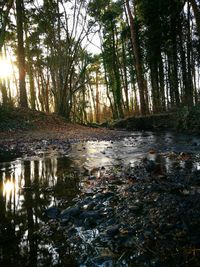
{"points": [[95, 61], [99, 133]]}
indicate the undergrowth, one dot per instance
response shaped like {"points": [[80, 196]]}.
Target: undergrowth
{"points": [[188, 118]]}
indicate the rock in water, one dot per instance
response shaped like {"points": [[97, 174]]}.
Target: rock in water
{"points": [[52, 212], [70, 212]]}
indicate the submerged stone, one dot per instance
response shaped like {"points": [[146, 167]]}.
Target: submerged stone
{"points": [[52, 212], [90, 214], [113, 230], [101, 261], [70, 212]]}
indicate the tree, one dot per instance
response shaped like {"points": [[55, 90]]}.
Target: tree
{"points": [[21, 53], [196, 10], [138, 60], [65, 57], [4, 19], [149, 59]]}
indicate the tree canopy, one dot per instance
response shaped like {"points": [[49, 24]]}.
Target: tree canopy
{"points": [[148, 61]]}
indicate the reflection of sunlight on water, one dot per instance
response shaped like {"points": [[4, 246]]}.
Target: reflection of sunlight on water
{"points": [[87, 235], [31, 185], [197, 166], [8, 188], [20, 175]]}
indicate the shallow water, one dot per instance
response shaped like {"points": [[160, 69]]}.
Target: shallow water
{"points": [[28, 186]]}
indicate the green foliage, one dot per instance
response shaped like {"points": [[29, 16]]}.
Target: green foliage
{"points": [[11, 119], [4, 113], [188, 118]]}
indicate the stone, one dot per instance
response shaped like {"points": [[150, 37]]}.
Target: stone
{"points": [[113, 230], [52, 212], [70, 212]]}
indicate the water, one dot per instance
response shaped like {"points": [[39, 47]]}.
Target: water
{"points": [[28, 186]]}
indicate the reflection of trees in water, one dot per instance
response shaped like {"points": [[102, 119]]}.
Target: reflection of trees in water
{"points": [[35, 185]]}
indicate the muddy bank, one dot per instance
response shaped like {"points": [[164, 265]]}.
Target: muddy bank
{"points": [[23, 131], [33, 142], [156, 122], [183, 119]]}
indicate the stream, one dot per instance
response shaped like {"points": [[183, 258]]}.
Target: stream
{"points": [[31, 185]]}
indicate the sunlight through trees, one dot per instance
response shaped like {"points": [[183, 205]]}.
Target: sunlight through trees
{"points": [[148, 61]]}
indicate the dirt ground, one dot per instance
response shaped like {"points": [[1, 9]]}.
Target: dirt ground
{"points": [[50, 130], [18, 126], [72, 132]]}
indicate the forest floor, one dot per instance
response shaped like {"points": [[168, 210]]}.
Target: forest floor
{"points": [[22, 131]]}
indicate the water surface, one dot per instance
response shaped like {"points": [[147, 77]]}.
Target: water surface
{"points": [[29, 186]]}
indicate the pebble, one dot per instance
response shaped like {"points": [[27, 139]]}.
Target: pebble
{"points": [[52, 212], [70, 212]]}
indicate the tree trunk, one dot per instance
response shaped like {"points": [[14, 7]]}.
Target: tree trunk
{"points": [[30, 70], [4, 93], [32, 85], [97, 98], [138, 60], [189, 90], [21, 54], [196, 11], [4, 23], [162, 83], [117, 79], [124, 64], [155, 86]]}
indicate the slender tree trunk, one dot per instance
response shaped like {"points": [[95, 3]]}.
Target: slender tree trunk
{"points": [[32, 85], [93, 104], [135, 101], [138, 60], [3, 86], [175, 74], [30, 70], [189, 89], [117, 79], [124, 64], [5, 22], [155, 86], [162, 83], [107, 86], [196, 11], [183, 67], [97, 98], [47, 94], [4, 93], [40, 98], [21, 54], [170, 81]]}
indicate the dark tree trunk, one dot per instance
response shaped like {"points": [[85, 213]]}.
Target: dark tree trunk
{"points": [[188, 97], [125, 74], [21, 54], [138, 60], [154, 85], [196, 11], [162, 83], [4, 23]]}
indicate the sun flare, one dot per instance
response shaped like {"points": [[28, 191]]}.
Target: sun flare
{"points": [[6, 69]]}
